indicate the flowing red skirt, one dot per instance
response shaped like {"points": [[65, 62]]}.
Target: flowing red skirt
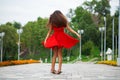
{"points": [[60, 39]]}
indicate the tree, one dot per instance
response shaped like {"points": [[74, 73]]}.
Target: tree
{"points": [[102, 7], [17, 25], [98, 8], [70, 14], [33, 35], [83, 20], [9, 41], [90, 5]]}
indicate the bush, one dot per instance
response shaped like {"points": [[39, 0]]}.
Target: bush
{"points": [[95, 52], [113, 63], [18, 62], [87, 47]]}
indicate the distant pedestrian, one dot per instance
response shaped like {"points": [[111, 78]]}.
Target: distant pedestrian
{"points": [[59, 39]]}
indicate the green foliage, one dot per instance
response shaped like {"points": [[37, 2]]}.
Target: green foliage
{"points": [[89, 51], [17, 25], [9, 41], [83, 20], [102, 7], [95, 52], [87, 47], [74, 52], [33, 35], [31, 38], [88, 17]]}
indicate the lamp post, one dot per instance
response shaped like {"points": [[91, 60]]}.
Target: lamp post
{"points": [[116, 47], [2, 35], [113, 40], [105, 39], [118, 59], [19, 31], [101, 29], [80, 32]]}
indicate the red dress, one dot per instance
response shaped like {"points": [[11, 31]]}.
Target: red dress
{"points": [[60, 38]]}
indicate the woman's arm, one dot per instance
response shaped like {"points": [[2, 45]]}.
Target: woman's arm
{"points": [[48, 34], [71, 30]]}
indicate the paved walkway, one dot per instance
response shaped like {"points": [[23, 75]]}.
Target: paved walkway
{"points": [[77, 71]]}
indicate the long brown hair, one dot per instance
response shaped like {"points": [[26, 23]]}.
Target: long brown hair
{"points": [[57, 19]]}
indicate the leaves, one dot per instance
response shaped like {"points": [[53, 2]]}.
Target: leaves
{"points": [[89, 17], [9, 40]]}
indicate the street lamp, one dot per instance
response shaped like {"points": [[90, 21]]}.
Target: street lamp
{"points": [[80, 32], [113, 40], [101, 29], [105, 39], [118, 59], [2, 35], [19, 31]]}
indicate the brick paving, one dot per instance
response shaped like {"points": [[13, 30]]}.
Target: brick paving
{"points": [[77, 71]]}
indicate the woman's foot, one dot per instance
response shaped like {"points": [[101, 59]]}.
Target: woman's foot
{"points": [[53, 71], [59, 72]]}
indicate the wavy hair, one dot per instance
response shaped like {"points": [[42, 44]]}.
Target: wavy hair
{"points": [[57, 19]]}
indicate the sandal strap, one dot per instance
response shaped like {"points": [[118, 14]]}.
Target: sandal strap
{"points": [[59, 72], [53, 71]]}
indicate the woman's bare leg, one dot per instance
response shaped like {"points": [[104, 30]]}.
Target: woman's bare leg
{"points": [[60, 59], [55, 51]]}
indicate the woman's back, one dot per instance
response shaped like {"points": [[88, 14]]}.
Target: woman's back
{"points": [[58, 29]]}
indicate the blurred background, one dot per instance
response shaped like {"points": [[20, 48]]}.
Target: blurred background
{"points": [[23, 28]]}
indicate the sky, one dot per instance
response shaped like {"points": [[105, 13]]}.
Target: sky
{"points": [[29, 10]]}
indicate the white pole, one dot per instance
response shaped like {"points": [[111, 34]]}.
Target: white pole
{"points": [[101, 29], [102, 45], [80, 32], [2, 35], [113, 40], [80, 47], [19, 46], [1, 48], [116, 47], [105, 40], [118, 59], [19, 31], [51, 55]]}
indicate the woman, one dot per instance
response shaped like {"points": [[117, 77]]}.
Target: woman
{"points": [[59, 39]]}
